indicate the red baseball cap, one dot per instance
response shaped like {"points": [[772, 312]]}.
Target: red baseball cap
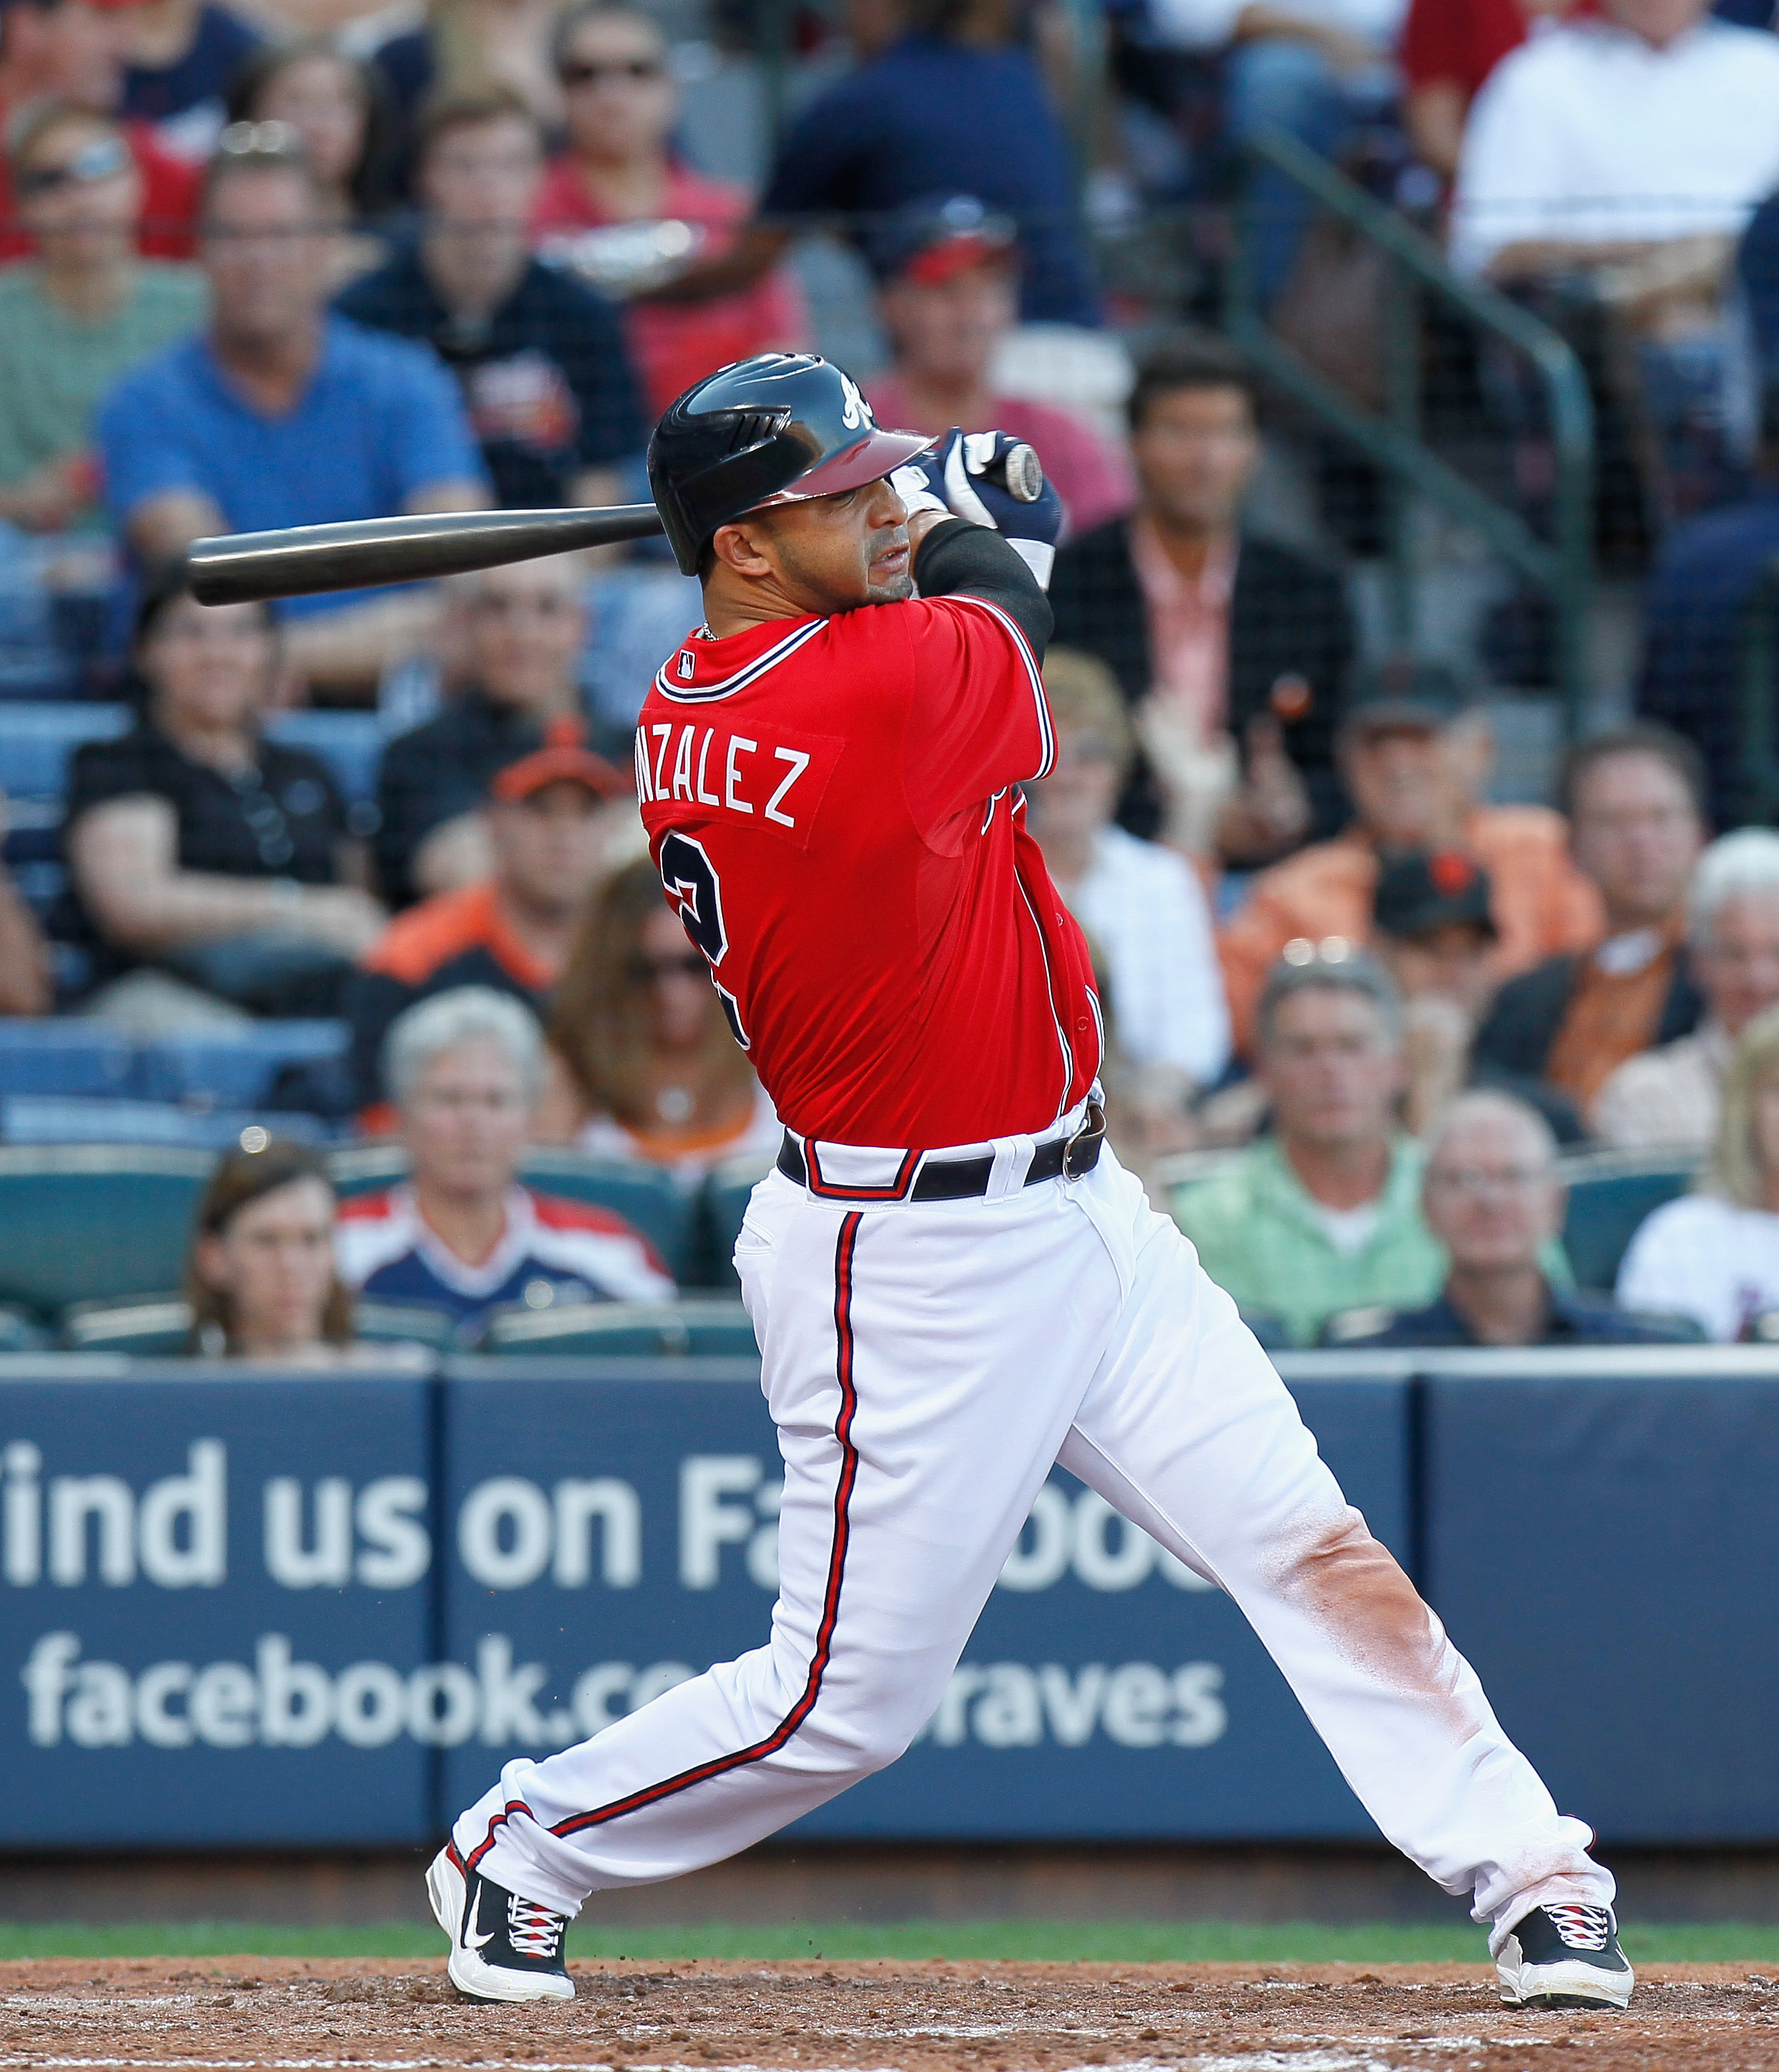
{"points": [[565, 758]]}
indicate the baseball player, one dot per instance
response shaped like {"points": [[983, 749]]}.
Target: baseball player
{"points": [[955, 1284]]}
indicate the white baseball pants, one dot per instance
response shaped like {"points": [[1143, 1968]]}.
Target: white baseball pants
{"points": [[926, 1365]]}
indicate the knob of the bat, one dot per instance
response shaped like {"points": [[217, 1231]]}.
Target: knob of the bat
{"points": [[1019, 471]]}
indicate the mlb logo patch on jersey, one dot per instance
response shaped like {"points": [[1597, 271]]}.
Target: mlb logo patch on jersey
{"points": [[689, 665]]}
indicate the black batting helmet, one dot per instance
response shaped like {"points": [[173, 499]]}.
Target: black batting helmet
{"points": [[775, 429]]}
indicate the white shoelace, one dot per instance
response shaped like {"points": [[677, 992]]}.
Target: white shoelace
{"points": [[1583, 1927], [532, 1930]]}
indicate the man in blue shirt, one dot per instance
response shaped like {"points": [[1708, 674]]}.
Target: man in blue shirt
{"points": [[545, 374], [281, 413]]}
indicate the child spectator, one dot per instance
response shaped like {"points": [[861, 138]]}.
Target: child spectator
{"points": [[79, 315], [642, 1064], [618, 173], [464, 1070], [212, 868], [1433, 932], [1714, 1254], [947, 275]]}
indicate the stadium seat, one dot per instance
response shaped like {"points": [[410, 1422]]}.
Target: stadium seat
{"points": [[159, 1326], [643, 1196], [17, 1333], [35, 743], [406, 1323], [88, 1221], [713, 1329], [49, 1118], [726, 1195], [350, 743], [1610, 1194], [71, 1058], [236, 1071]]}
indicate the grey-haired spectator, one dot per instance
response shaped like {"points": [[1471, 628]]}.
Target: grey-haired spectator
{"points": [[1492, 1197], [282, 413], [78, 315], [1669, 1098], [465, 1071], [544, 371], [1233, 649], [74, 51], [947, 274], [1714, 1254], [1324, 1214]]}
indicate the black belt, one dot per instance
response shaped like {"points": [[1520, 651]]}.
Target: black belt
{"points": [[962, 1179]]}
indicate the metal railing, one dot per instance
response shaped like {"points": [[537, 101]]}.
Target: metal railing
{"points": [[1758, 672], [1562, 567]]}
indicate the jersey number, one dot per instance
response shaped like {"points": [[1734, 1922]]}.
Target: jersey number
{"points": [[693, 891]]}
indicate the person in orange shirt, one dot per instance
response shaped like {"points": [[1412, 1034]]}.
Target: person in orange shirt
{"points": [[1415, 752]]}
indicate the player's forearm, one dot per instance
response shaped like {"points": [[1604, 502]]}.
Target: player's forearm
{"points": [[956, 555]]}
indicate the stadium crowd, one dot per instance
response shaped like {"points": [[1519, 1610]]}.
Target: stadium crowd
{"points": [[284, 261]]}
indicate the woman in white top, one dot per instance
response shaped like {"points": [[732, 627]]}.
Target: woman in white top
{"points": [[642, 1064], [1715, 1255]]}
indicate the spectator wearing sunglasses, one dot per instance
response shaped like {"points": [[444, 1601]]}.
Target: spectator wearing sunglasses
{"points": [[74, 52], [618, 203], [548, 827], [642, 1063], [77, 317]]}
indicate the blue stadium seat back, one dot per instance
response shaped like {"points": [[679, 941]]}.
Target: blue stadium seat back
{"points": [[406, 1323], [19, 1330], [367, 1168], [1609, 1195], [350, 743], [239, 1071], [146, 1327], [36, 742], [90, 1222], [726, 1195], [59, 1119], [713, 1329], [66, 1057]]}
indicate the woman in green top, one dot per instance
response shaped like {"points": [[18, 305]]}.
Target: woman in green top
{"points": [[80, 313]]}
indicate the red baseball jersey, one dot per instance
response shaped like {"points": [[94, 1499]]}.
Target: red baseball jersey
{"points": [[831, 803]]}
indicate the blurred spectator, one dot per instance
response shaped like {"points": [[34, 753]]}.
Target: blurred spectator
{"points": [[465, 1069], [331, 101], [25, 986], [1415, 751], [282, 413], [948, 106], [1634, 800], [642, 1064], [518, 634], [183, 54], [948, 285], [1432, 930], [1620, 158], [1669, 1098], [1715, 1255], [1448, 48], [1318, 69], [1492, 1198], [73, 50], [546, 378], [512, 930], [620, 177], [1144, 909], [465, 45], [1324, 1214], [1695, 618], [1230, 646], [79, 314], [209, 865], [261, 1276]]}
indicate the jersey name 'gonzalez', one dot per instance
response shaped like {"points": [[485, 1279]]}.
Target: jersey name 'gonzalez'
{"points": [[911, 977]]}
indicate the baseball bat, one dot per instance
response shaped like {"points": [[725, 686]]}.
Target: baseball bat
{"points": [[245, 568]]}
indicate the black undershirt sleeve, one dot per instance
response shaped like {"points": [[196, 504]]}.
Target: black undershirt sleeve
{"points": [[958, 556]]}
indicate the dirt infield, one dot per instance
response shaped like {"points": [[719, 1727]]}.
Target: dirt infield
{"points": [[287, 2016]]}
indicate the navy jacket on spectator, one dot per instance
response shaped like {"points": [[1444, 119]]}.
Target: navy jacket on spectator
{"points": [[931, 117], [1288, 617], [1575, 1320], [1699, 593], [547, 381]]}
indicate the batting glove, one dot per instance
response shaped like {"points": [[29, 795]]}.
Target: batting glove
{"points": [[989, 479]]}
